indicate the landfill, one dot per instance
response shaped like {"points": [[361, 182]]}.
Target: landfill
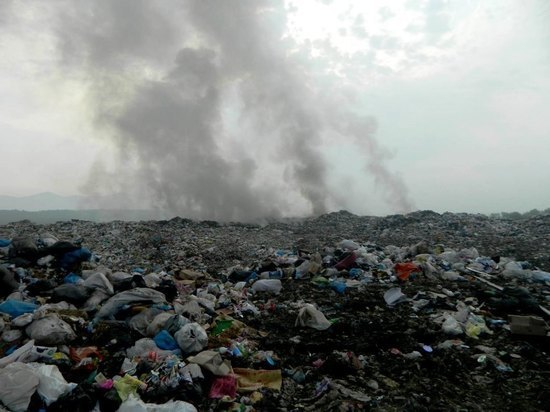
{"points": [[339, 312]]}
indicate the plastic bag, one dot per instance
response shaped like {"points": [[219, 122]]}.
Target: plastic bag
{"points": [[346, 262], [152, 280], [268, 285], [541, 276], [175, 323], [73, 278], [70, 259], [191, 338], [211, 361], [312, 317], [87, 357], [348, 244], [119, 277], [141, 321], [144, 348], [137, 295], [451, 326], [476, 326], [191, 310], [8, 283], [11, 335], [72, 293], [52, 383], [45, 261], [99, 296], [158, 323], [50, 330], [394, 296], [128, 385], [405, 269], [16, 308], [21, 354], [47, 239], [24, 246], [99, 281], [18, 382], [223, 386], [133, 404], [338, 286], [165, 341]]}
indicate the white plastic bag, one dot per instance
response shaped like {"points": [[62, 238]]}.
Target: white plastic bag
{"points": [[212, 362], [133, 404], [348, 244], [128, 297], [268, 285], [99, 281], [312, 317], [451, 325], [22, 320], [158, 323], [18, 382], [191, 338], [52, 383], [20, 354], [141, 321], [143, 347], [394, 296], [98, 297], [50, 330]]}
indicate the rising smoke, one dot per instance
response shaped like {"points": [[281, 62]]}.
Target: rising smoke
{"points": [[212, 114]]}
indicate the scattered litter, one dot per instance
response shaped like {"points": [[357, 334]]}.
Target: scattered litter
{"points": [[179, 316], [394, 296]]}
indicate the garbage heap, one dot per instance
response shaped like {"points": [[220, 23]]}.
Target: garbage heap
{"points": [[187, 316]]}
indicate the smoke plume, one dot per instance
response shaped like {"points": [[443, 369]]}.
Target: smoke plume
{"points": [[212, 114]]}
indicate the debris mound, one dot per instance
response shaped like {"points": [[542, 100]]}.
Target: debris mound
{"points": [[340, 312]]}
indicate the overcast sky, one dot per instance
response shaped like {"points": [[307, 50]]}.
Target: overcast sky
{"points": [[241, 109]]}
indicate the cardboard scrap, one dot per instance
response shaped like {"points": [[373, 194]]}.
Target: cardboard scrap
{"points": [[249, 380], [527, 325]]}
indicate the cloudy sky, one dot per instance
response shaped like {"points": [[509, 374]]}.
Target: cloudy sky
{"points": [[244, 109]]}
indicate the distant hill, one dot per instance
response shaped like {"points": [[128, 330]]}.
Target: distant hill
{"points": [[48, 207], [40, 201], [45, 217]]}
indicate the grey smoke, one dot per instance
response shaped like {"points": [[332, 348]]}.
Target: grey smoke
{"points": [[171, 127]]}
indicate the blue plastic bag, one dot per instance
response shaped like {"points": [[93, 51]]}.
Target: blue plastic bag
{"points": [[72, 278], [70, 259], [5, 242], [15, 308], [165, 341], [541, 276], [355, 272], [338, 286]]}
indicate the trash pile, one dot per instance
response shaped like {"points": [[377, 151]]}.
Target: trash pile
{"points": [[196, 316]]}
